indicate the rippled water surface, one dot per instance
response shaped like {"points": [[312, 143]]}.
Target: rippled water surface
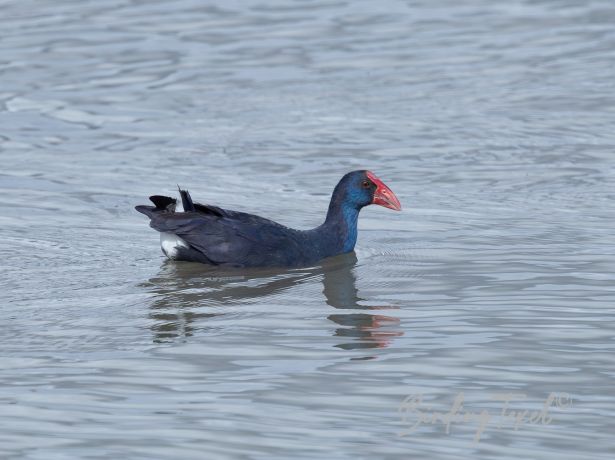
{"points": [[492, 121]]}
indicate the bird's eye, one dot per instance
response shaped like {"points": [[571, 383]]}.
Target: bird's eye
{"points": [[365, 184]]}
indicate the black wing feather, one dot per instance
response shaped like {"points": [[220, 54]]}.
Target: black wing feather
{"points": [[225, 237]]}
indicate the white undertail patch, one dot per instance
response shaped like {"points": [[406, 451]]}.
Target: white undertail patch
{"points": [[169, 244]]}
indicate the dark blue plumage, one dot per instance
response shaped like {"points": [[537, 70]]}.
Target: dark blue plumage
{"points": [[216, 236]]}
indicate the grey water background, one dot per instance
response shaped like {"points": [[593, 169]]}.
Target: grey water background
{"points": [[492, 121]]}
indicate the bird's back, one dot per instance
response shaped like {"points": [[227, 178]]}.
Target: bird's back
{"points": [[220, 236]]}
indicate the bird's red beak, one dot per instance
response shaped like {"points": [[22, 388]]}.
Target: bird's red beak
{"points": [[383, 194]]}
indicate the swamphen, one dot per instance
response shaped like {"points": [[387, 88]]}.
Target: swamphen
{"points": [[216, 236]]}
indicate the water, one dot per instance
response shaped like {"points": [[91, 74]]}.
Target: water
{"points": [[491, 121]]}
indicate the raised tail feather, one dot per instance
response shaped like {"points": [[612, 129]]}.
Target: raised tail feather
{"points": [[162, 204], [186, 200]]}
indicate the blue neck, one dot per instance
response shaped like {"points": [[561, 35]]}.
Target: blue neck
{"points": [[340, 227]]}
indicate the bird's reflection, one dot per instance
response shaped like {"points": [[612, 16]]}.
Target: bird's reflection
{"points": [[186, 294]]}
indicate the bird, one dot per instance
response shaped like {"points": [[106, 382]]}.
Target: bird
{"points": [[222, 237]]}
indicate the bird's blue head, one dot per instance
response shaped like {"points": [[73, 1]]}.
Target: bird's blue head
{"points": [[354, 191], [361, 188]]}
